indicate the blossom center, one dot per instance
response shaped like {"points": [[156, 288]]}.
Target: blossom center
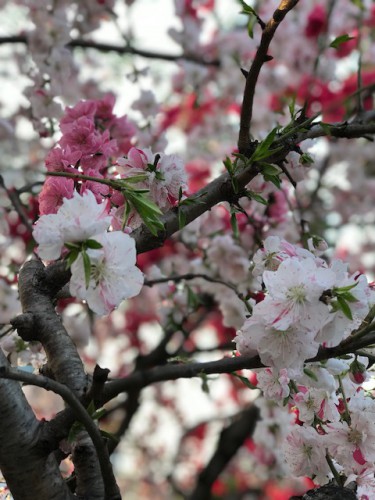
{"points": [[297, 294], [354, 436], [98, 271]]}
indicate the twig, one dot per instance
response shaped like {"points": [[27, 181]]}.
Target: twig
{"points": [[111, 488], [17, 205], [121, 49], [260, 58], [192, 276]]}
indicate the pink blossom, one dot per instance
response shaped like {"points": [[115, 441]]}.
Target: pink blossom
{"points": [[59, 160], [82, 136], [304, 453], [274, 383], [54, 190], [81, 109]]}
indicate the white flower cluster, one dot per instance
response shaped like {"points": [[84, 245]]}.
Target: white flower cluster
{"points": [[104, 271], [308, 303]]}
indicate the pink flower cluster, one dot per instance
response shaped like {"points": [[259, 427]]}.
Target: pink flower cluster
{"points": [[83, 219], [91, 136]]}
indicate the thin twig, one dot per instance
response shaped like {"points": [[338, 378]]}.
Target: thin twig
{"points": [[260, 58], [189, 276], [17, 205], [111, 488], [121, 49]]}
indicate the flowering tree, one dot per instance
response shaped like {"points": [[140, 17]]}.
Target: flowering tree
{"points": [[223, 226]]}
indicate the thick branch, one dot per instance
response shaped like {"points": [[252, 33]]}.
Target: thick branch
{"points": [[260, 58], [22, 461], [231, 439], [80, 414], [40, 322], [121, 49]]}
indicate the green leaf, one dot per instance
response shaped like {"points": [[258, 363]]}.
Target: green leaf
{"points": [[269, 169], [234, 224], [75, 429], [344, 288], [86, 267], [263, 147], [326, 128], [244, 380], [292, 107], [149, 212], [343, 305], [335, 44], [72, 246], [91, 408], [250, 25], [306, 159], [274, 179], [246, 9], [181, 219], [134, 179], [359, 4], [310, 374], [204, 378], [349, 297], [257, 197], [98, 414], [110, 436], [95, 245], [71, 257], [192, 299], [228, 165]]}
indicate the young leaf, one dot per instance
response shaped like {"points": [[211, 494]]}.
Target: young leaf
{"points": [[246, 9], [234, 224], [274, 179], [310, 374], [343, 305], [181, 219], [257, 197], [345, 288], [306, 159], [335, 44], [110, 436], [71, 257], [244, 380], [269, 169], [95, 245], [86, 267], [250, 25]]}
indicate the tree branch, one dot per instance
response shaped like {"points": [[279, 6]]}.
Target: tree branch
{"points": [[139, 379], [260, 58], [40, 322], [120, 49], [22, 460], [221, 188], [111, 489], [231, 439]]}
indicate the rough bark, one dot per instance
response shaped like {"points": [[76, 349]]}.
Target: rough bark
{"points": [[29, 471]]}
